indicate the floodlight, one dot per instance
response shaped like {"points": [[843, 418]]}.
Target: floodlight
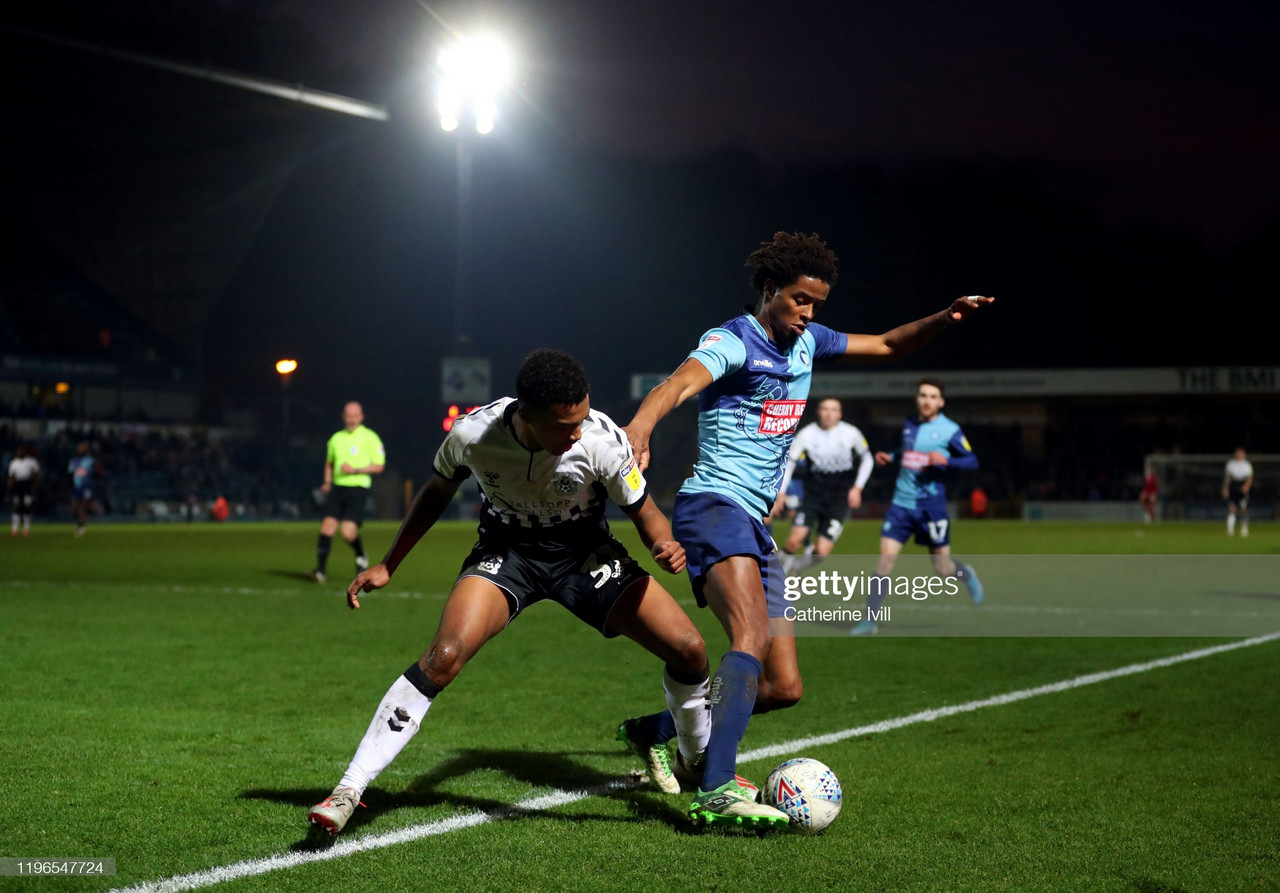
{"points": [[472, 74]]}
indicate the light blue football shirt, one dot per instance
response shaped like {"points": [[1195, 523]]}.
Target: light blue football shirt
{"points": [[748, 415]]}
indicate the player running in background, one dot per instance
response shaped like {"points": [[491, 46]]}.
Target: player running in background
{"points": [[751, 377], [1237, 481], [353, 455], [81, 468], [20, 489], [545, 462], [832, 489], [932, 444], [1150, 494]]}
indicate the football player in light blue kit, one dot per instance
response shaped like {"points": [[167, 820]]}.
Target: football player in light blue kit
{"points": [[81, 469], [751, 377], [932, 445]]}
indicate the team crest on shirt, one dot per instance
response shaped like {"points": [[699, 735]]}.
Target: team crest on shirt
{"points": [[353, 449], [564, 484], [804, 356]]}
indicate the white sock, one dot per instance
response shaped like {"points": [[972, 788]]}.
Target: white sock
{"points": [[395, 722], [1231, 524], [688, 706]]}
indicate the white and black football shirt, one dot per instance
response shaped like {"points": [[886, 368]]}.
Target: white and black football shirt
{"points": [[829, 454], [538, 496]]}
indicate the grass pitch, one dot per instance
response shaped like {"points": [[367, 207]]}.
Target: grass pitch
{"points": [[176, 697]]}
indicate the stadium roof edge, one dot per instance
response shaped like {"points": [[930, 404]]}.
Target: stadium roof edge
{"points": [[1152, 380]]}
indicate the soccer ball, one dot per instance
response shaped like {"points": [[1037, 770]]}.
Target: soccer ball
{"points": [[807, 791]]}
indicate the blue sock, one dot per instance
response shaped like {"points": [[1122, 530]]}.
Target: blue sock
{"points": [[877, 588], [656, 728], [733, 695]]}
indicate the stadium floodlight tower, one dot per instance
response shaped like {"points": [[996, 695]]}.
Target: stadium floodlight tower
{"points": [[473, 73]]}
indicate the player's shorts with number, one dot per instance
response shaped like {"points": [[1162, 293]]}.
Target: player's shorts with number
{"points": [[931, 526], [825, 509], [586, 581]]}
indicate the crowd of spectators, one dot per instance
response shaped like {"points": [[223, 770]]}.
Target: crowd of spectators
{"points": [[180, 470], [166, 471]]}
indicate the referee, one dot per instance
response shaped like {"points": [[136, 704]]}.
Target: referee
{"points": [[355, 454]]}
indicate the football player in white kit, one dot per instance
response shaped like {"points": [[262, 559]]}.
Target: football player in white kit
{"points": [[832, 487], [1237, 480], [20, 489], [545, 463]]}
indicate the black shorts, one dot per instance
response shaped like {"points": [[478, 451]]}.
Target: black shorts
{"points": [[588, 582], [23, 495], [825, 510], [1237, 497], [346, 503]]}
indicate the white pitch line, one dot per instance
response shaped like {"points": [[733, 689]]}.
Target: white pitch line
{"points": [[347, 847], [777, 750], [312, 589]]}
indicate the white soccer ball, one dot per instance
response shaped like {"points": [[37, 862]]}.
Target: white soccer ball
{"points": [[807, 791]]}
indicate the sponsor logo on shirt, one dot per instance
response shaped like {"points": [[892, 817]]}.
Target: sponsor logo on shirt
{"points": [[780, 416], [631, 474], [708, 341], [764, 363], [915, 460]]}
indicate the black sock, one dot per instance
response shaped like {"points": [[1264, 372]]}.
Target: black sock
{"points": [[358, 545], [322, 552]]}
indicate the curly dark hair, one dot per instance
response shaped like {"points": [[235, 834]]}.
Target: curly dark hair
{"points": [[550, 378], [788, 257]]}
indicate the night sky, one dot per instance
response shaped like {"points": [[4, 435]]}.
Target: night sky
{"points": [[1108, 173]]}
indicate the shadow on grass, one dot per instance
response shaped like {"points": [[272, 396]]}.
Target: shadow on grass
{"points": [[543, 771], [295, 575]]}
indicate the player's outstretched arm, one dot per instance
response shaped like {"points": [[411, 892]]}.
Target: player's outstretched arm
{"points": [[426, 509], [655, 533], [909, 338], [687, 381]]}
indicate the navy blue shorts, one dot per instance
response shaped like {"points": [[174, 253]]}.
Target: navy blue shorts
{"points": [[932, 527], [712, 528]]}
